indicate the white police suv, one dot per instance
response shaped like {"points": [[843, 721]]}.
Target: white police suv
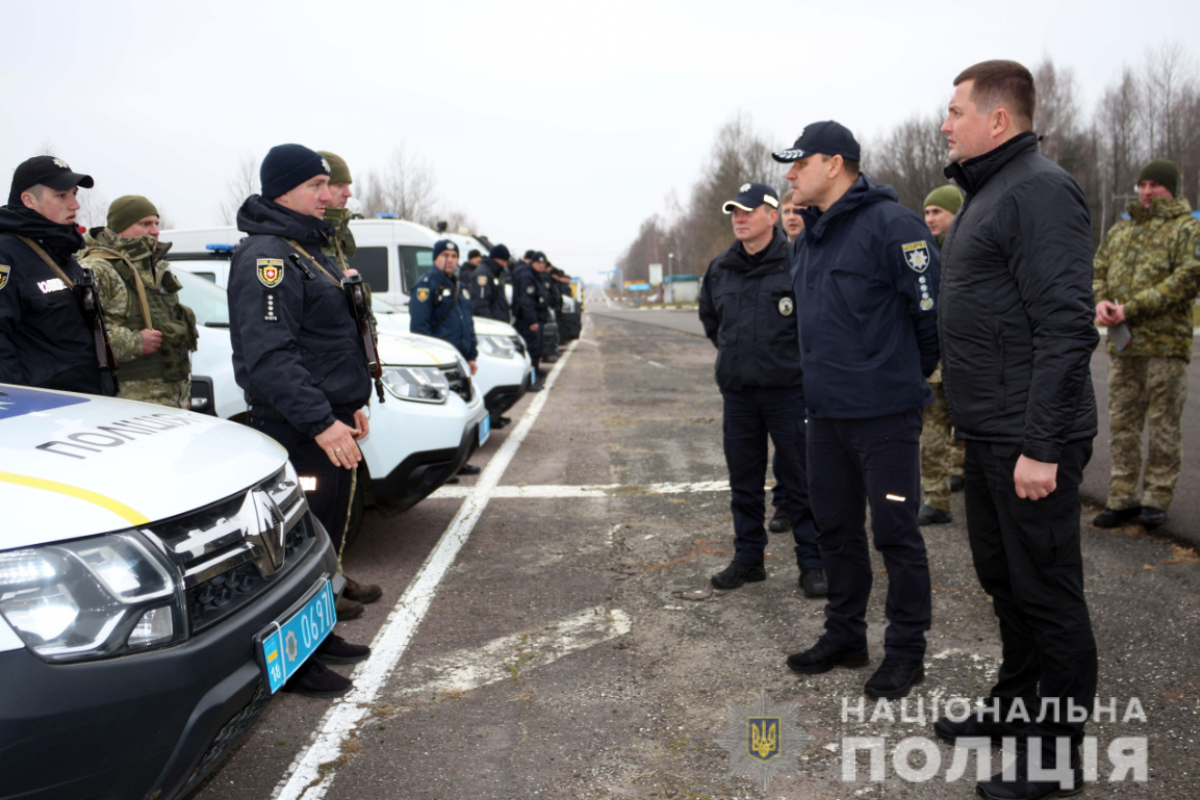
{"points": [[160, 577]]}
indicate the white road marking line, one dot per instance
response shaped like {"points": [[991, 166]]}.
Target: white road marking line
{"points": [[610, 490], [588, 341], [473, 667], [655, 364], [304, 779]]}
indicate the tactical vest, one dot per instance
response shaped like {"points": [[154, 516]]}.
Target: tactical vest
{"points": [[177, 322]]}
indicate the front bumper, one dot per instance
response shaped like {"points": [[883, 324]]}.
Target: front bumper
{"points": [[146, 725], [419, 475]]}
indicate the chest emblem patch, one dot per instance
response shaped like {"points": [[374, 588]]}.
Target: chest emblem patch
{"points": [[926, 303], [482, 280], [786, 306], [916, 254], [422, 295], [270, 272], [4, 271], [529, 290]]}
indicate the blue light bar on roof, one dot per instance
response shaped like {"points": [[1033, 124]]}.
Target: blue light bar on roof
{"points": [[220, 248], [385, 215]]}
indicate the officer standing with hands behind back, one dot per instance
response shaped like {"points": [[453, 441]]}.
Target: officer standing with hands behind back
{"points": [[298, 355]]}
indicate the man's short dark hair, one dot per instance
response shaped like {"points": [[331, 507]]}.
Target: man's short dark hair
{"points": [[1003, 83], [851, 168]]}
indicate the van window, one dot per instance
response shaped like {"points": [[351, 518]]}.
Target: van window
{"points": [[372, 265], [208, 301], [416, 262]]}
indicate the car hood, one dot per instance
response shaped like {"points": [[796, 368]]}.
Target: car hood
{"points": [[397, 321], [400, 349], [76, 465]]}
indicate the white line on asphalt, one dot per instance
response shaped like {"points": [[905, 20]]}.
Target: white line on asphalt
{"points": [[588, 341], [471, 668], [655, 363], [304, 779], [609, 490]]}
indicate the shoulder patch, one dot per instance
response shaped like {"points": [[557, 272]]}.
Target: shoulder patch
{"points": [[270, 272], [422, 294], [529, 290], [482, 280], [916, 255], [465, 293], [5, 269]]}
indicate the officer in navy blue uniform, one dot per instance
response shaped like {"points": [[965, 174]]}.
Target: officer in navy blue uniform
{"points": [[487, 286], [866, 287], [298, 355], [531, 309], [748, 310]]}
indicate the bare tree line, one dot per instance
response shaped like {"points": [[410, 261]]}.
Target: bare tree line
{"points": [[1149, 111]]}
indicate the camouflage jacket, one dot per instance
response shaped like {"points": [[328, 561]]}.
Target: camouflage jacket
{"points": [[1150, 263], [341, 245]]}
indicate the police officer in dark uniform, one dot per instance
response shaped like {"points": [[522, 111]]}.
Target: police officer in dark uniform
{"points": [[550, 336], [531, 309], [866, 277], [46, 337], [487, 286], [298, 355], [748, 311]]}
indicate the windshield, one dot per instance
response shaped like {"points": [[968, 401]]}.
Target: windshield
{"points": [[205, 298]]}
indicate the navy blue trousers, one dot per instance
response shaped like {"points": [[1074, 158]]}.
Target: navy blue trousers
{"points": [[751, 415], [778, 493], [533, 340], [853, 462]]}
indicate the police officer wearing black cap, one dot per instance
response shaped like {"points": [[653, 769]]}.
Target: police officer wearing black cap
{"points": [[531, 309], [298, 354], [749, 312], [866, 277], [487, 286], [438, 307], [47, 338]]}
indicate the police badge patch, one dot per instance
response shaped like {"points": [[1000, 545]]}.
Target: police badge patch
{"points": [[482, 280], [4, 270], [927, 304], [786, 306], [917, 255], [422, 295], [529, 290], [270, 272]]}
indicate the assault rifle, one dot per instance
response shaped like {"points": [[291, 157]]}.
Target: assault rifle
{"points": [[356, 296], [94, 315]]}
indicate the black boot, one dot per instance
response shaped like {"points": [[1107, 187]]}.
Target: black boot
{"points": [[736, 574], [895, 676], [1022, 788], [336, 650], [314, 679], [824, 656], [781, 520], [814, 583], [1112, 517]]}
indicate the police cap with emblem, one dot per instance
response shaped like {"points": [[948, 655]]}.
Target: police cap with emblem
{"points": [[752, 195], [441, 246], [46, 171], [828, 138], [287, 166]]}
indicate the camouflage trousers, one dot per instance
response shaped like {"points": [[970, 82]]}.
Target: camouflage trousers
{"points": [[941, 454], [1145, 389], [176, 394]]}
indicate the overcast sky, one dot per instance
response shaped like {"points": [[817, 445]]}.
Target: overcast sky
{"points": [[556, 125]]}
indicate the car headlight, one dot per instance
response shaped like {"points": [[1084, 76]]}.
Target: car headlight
{"points": [[422, 384], [499, 346], [90, 598]]}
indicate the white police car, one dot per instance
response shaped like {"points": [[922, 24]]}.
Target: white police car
{"points": [[148, 559]]}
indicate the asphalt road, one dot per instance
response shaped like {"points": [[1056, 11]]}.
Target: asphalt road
{"points": [[548, 629]]}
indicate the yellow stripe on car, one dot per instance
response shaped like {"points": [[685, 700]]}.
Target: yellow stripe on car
{"points": [[88, 496]]}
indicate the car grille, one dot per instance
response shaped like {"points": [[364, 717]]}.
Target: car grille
{"points": [[230, 552], [460, 382], [228, 737]]}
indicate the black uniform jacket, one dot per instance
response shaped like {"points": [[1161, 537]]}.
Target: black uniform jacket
{"points": [[487, 291], [530, 302], [1016, 320], [297, 352], [749, 312], [45, 341]]}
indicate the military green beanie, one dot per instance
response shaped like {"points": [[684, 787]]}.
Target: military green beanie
{"points": [[339, 170], [1162, 172], [127, 210], [947, 197]]}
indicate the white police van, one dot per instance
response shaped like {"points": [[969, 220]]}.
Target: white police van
{"points": [[160, 577], [432, 419], [392, 255]]}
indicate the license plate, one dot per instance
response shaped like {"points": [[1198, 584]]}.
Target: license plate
{"points": [[485, 429], [289, 641]]}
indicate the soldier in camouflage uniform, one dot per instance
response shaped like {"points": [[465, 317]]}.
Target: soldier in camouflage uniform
{"points": [[133, 281], [941, 454], [1147, 275]]}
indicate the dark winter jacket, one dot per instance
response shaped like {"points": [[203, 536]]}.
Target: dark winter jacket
{"points": [[866, 289], [45, 340], [748, 310], [1017, 311], [439, 308], [530, 303], [297, 352], [487, 291]]}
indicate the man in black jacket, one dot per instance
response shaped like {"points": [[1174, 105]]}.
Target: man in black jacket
{"points": [[46, 340], [748, 311], [298, 355], [1017, 338], [530, 310], [866, 278], [487, 286]]}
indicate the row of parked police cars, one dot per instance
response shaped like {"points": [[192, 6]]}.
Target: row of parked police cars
{"points": [[159, 568]]}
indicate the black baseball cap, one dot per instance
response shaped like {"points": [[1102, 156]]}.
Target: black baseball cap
{"points": [[48, 171], [827, 138], [752, 195], [540, 256]]}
